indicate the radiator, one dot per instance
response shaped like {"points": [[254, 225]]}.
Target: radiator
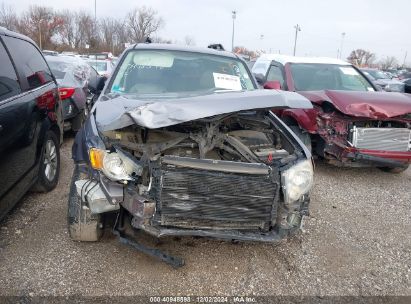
{"points": [[209, 194], [385, 139]]}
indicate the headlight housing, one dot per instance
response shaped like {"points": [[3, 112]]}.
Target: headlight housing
{"points": [[117, 166], [297, 180]]}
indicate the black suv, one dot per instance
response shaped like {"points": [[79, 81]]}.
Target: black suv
{"points": [[30, 121]]}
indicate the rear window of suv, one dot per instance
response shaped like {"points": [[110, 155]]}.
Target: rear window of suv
{"points": [[9, 85], [30, 61]]}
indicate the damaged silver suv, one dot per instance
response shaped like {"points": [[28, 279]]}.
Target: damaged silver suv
{"points": [[182, 143]]}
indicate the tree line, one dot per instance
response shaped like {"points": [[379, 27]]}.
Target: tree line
{"points": [[80, 31], [364, 58], [66, 30]]}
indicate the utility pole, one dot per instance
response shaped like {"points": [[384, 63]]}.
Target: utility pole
{"points": [[405, 57], [297, 29], [261, 39], [40, 45], [234, 14], [342, 44], [92, 41], [40, 35]]}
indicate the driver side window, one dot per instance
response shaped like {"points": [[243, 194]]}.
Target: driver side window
{"points": [[275, 74]]}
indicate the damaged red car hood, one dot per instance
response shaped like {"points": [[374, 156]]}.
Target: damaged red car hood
{"points": [[376, 105]]}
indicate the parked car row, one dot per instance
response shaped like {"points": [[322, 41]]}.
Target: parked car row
{"points": [[383, 81], [183, 141], [103, 63], [73, 76]]}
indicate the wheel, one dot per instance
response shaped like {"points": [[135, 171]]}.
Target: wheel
{"points": [[303, 136], [49, 167], [82, 225], [394, 169]]}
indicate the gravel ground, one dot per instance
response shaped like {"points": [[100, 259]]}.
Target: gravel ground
{"points": [[356, 242]]}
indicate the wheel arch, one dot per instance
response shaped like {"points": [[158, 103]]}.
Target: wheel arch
{"points": [[305, 119]]}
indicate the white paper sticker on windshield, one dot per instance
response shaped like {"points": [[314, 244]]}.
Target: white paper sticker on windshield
{"points": [[349, 71], [227, 82]]}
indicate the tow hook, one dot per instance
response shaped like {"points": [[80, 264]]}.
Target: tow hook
{"points": [[175, 262]]}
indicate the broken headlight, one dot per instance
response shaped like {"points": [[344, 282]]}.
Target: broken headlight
{"points": [[297, 180], [116, 165]]}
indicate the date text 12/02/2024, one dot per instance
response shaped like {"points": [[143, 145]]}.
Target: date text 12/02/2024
{"points": [[202, 299]]}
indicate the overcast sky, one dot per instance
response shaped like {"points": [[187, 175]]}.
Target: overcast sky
{"points": [[380, 26]]}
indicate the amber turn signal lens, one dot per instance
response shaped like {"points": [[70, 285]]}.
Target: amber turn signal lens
{"points": [[96, 158]]}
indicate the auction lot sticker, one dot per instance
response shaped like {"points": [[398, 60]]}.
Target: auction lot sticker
{"points": [[227, 82]]}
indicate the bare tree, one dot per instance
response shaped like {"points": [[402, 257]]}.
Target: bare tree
{"points": [[361, 57], [74, 30], [122, 34], [88, 30], [68, 31], [388, 62], [142, 23], [244, 51], [8, 17], [108, 29], [40, 23]]}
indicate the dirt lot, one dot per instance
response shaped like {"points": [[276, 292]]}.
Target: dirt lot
{"points": [[357, 242]]}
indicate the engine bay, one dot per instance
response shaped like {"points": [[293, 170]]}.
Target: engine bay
{"points": [[238, 137]]}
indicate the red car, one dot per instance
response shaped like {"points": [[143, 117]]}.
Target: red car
{"points": [[351, 123]]}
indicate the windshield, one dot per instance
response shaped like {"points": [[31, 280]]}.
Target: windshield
{"points": [[314, 77], [174, 72], [100, 66], [377, 74]]}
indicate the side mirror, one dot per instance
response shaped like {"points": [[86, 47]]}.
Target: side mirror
{"points": [[272, 85], [260, 78], [96, 84]]}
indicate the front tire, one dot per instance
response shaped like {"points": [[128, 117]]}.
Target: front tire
{"points": [[303, 136], [49, 167], [82, 225]]}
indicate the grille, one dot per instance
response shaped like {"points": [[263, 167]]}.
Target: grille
{"points": [[193, 198], [386, 139]]}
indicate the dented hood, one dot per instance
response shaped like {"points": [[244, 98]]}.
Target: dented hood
{"points": [[124, 111], [375, 105]]}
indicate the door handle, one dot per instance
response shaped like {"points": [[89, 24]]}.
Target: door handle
{"points": [[1, 128]]}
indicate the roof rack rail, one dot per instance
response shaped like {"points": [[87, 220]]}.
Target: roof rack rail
{"points": [[216, 46]]}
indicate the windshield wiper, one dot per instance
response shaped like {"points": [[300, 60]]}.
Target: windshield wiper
{"points": [[221, 90], [110, 95]]}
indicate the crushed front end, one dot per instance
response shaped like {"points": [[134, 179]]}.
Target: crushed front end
{"points": [[359, 141], [238, 176]]}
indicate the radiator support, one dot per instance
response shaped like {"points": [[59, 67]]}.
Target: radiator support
{"points": [[383, 139], [213, 194]]}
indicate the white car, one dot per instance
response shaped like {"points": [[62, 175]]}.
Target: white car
{"points": [[103, 67]]}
